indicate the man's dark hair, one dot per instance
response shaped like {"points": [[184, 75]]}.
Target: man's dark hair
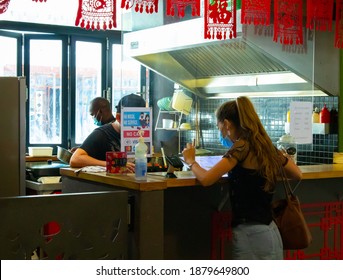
{"points": [[131, 100]]}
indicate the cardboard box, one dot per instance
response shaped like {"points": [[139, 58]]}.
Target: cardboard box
{"points": [[116, 163]]}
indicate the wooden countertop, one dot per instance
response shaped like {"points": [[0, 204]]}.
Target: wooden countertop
{"points": [[30, 158], [155, 180], [158, 181], [322, 171]]}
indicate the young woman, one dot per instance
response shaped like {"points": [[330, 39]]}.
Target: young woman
{"points": [[253, 165]]}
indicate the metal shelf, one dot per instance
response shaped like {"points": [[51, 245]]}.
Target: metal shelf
{"points": [[177, 119]]}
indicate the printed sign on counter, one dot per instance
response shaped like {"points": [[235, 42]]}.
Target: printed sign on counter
{"points": [[134, 120], [301, 122]]}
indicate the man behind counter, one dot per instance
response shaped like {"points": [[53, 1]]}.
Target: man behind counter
{"points": [[100, 110], [104, 138]]}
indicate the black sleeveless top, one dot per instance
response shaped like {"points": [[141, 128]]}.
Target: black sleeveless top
{"points": [[249, 202]]}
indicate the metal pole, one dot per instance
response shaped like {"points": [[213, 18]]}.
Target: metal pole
{"points": [[340, 104]]}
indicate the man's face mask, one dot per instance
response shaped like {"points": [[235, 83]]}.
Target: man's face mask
{"points": [[226, 142], [96, 121]]}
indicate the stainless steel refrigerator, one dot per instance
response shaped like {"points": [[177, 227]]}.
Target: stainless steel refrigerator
{"points": [[12, 136]]}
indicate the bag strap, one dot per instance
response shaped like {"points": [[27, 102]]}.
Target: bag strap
{"points": [[286, 184]]}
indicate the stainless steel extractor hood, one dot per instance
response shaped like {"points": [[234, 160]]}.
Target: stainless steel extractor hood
{"points": [[214, 68]]}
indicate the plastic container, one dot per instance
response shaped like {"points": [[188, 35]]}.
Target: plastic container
{"points": [[141, 164], [287, 144], [324, 115], [185, 126], [165, 104], [167, 123], [182, 102], [40, 151]]}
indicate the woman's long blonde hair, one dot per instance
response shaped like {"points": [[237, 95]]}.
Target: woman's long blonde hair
{"points": [[244, 117]]}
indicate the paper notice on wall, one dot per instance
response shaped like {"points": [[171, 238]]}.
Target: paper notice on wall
{"points": [[301, 122]]}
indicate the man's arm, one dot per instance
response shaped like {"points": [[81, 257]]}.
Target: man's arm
{"points": [[80, 158]]}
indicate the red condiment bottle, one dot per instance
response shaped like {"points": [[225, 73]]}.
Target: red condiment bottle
{"points": [[324, 116]]}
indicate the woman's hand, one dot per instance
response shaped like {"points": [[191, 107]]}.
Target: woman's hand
{"points": [[189, 153]]}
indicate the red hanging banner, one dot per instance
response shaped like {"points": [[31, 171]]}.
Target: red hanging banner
{"points": [[180, 6], [96, 14], [151, 6], [4, 5], [256, 12], [339, 24], [220, 19], [288, 21], [319, 14]]}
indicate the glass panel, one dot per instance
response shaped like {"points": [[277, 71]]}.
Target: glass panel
{"points": [[88, 86], [8, 56], [126, 74], [45, 91]]}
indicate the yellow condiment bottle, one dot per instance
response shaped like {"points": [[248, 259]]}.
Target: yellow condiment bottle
{"points": [[315, 116], [289, 116]]}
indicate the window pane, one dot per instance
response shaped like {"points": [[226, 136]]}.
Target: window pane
{"points": [[45, 91], [8, 56], [88, 86], [126, 74]]}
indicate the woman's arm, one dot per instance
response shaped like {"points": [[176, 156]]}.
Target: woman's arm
{"points": [[292, 170], [211, 176]]}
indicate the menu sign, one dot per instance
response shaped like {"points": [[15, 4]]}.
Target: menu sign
{"points": [[135, 121], [301, 122]]}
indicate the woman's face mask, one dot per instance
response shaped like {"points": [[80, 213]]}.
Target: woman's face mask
{"points": [[226, 142]]}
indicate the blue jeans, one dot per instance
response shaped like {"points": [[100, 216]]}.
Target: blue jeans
{"points": [[255, 241]]}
